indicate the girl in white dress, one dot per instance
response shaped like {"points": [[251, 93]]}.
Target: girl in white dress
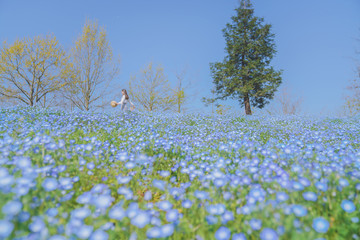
{"points": [[125, 100]]}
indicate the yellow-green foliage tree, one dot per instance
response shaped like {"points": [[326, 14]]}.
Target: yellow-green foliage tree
{"points": [[151, 90], [94, 68], [181, 93], [32, 68]]}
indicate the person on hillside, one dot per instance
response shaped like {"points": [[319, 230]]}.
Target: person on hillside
{"points": [[125, 100]]}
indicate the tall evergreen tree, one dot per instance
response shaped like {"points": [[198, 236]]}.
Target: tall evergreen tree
{"points": [[245, 73]]}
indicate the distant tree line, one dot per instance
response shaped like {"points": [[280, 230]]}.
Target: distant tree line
{"points": [[39, 72]]}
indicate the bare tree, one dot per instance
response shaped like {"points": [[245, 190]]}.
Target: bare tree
{"points": [[94, 69], [182, 95], [286, 103], [30, 69], [151, 90]]}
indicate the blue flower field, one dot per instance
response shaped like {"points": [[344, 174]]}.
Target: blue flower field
{"points": [[76, 175]]}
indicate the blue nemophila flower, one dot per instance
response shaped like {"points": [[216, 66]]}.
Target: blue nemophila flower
{"points": [[84, 231], [90, 165], [355, 219], [141, 219], [133, 209], [117, 212], [99, 235], [255, 224], [310, 196], [320, 225], [128, 194], [154, 232], [130, 165], [282, 196], [147, 196], [201, 194], [23, 216], [348, 206], [186, 203], [172, 215], [103, 201], [81, 213], [50, 184], [321, 186], [164, 205], [12, 208], [164, 173], [160, 184], [167, 230], [124, 179], [52, 212], [22, 162], [268, 234], [227, 216], [223, 233], [6, 228], [211, 219], [37, 225], [57, 237], [84, 198], [238, 236], [66, 183], [343, 182], [216, 209], [299, 210]]}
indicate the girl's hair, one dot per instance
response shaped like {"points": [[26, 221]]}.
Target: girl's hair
{"points": [[126, 95]]}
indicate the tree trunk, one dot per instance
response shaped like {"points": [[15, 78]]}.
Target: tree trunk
{"points": [[247, 105]]}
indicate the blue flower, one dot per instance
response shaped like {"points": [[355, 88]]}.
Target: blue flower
{"points": [[99, 235], [348, 206], [12, 208], [238, 236], [141, 219], [6, 228], [117, 213], [160, 184], [103, 201], [50, 184], [255, 224], [81, 213], [268, 234], [211, 219], [147, 196], [299, 210], [201, 194], [310, 196], [84, 231], [282, 196], [37, 225], [186, 203], [154, 232], [321, 186], [223, 233], [227, 216], [320, 225], [343, 182], [167, 230], [172, 215], [57, 237], [164, 205]]}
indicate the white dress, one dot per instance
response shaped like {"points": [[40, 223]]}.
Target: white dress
{"points": [[124, 102]]}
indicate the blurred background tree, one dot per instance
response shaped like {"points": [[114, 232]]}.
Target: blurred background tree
{"points": [[94, 67], [151, 89], [31, 69]]}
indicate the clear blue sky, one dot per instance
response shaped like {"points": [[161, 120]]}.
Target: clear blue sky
{"points": [[315, 39]]}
